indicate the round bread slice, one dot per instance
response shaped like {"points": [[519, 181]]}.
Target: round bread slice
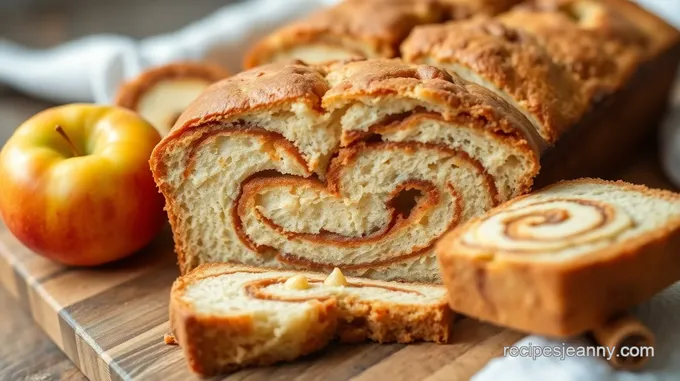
{"points": [[160, 94], [564, 259], [228, 317]]}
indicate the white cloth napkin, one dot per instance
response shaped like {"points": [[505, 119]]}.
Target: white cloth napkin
{"points": [[91, 69], [661, 314]]}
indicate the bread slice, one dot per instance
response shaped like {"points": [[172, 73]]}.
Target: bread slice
{"points": [[566, 258], [360, 165], [227, 317]]}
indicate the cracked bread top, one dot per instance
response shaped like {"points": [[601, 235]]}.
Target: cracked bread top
{"points": [[254, 90], [507, 61], [451, 95], [603, 64], [618, 20], [359, 28], [327, 87]]}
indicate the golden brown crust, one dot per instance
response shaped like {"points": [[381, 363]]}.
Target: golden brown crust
{"points": [[511, 61], [131, 92], [215, 344], [260, 88], [462, 9], [271, 85], [365, 28], [603, 64], [561, 298], [618, 20], [460, 101]]}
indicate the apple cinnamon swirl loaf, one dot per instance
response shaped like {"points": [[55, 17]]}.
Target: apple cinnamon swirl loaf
{"points": [[565, 259], [360, 165]]}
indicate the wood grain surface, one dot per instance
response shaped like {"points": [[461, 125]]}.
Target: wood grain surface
{"points": [[27, 353], [110, 322]]}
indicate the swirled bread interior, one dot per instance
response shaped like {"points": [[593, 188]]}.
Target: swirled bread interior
{"points": [[360, 165], [227, 317], [566, 258]]}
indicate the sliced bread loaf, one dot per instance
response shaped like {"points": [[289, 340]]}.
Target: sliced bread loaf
{"points": [[566, 258], [227, 317], [360, 165]]}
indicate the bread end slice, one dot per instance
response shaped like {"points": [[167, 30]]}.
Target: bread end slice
{"points": [[226, 317], [565, 259]]}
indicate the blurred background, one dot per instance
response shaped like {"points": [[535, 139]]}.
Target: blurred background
{"points": [[43, 23], [47, 23]]}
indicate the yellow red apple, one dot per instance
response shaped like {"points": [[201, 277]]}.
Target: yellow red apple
{"points": [[76, 184]]}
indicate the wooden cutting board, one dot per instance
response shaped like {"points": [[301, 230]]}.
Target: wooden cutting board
{"points": [[110, 322]]}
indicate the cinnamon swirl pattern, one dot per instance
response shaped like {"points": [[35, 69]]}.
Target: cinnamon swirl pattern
{"points": [[360, 165], [227, 317], [565, 259], [549, 225]]}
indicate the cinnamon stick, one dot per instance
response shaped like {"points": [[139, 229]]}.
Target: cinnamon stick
{"points": [[630, 340], [169, 339]]}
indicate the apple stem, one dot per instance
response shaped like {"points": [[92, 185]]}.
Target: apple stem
{"points": [[62, 133]]}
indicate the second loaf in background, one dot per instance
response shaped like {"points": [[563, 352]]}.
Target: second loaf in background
{"points": [[360, 165], [565, 259]]}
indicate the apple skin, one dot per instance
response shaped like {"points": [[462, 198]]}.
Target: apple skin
{"points": [[81, 210]]}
